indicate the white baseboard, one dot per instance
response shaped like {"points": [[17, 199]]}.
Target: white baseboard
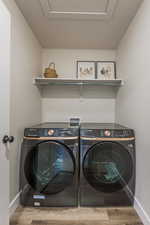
{"points": [[14, 204], [141, 212]]}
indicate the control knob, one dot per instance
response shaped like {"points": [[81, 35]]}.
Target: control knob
{"points": [[50, 132], [107, 133]]}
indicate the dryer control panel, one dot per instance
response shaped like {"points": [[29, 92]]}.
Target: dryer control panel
{"points": [[107, 133]]}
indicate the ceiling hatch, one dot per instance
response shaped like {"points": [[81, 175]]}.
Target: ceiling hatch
{"points": [[78, 9]]}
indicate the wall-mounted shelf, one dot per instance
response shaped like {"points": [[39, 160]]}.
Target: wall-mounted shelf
{"points": [[61, 81]]}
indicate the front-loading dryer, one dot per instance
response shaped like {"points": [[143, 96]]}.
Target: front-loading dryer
{"points": [[107, 165], [49, 165]]}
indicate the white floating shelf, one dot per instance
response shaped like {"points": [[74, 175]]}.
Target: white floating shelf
{"points": [[39, 81]]}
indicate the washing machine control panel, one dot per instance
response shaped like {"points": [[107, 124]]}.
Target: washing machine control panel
{"points": [[58, 132], [50, 132], [32, 132]]}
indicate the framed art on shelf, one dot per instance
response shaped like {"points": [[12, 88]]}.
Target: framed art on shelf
{"points": [[106, 70], [86, 70]]}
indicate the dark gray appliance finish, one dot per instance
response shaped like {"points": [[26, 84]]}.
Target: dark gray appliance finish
{"points": [[107, 165], [49, 167]]}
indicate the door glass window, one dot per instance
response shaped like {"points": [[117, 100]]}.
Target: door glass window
{"points": [[108, 166], [50, 167]]}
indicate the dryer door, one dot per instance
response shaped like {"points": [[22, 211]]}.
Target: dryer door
{"points": [[49, 167], [108, 167]]}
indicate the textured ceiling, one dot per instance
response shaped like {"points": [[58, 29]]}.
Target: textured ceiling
{"points": [[73, 26]]}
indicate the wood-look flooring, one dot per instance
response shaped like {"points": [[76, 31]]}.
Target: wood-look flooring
{"points": [[75, 216]]}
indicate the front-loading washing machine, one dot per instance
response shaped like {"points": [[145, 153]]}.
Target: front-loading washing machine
{"points": [[49, 165], [107, 165]]}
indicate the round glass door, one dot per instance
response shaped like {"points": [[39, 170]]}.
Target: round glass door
{"points": [[108, 167], [49, 167]]}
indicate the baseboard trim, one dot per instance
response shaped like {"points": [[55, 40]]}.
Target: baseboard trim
{"points": [[141, 212], [14, 204]]}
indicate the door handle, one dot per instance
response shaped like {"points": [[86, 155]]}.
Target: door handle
{"points": [[7, 139]]}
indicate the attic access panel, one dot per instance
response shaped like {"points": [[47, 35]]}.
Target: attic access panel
{"points": [[78, 9]]}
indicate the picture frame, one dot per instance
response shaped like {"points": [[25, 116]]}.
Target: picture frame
{"points": [[86, 70], [106, 70]]}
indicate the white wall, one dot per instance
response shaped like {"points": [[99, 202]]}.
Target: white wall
{"points": [[4, 112], [25, 97], [94, 104], [133, 101]]}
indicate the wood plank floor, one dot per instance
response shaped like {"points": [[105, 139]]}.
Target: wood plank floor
{"points": [[75, 216]]}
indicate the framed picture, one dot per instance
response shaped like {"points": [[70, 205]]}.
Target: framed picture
{"points": [[106, 70], [86, 70]]}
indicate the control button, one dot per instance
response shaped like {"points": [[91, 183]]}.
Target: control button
{"points": [[127, 133], [50, 132], [65, 133], [107, 133]]}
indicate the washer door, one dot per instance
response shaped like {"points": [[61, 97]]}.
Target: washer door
{"points": [[49, 167], [108, 167]]}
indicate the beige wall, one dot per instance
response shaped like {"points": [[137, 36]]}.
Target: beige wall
{"points": [[25, 97], [91, 103], [133, 101]]}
